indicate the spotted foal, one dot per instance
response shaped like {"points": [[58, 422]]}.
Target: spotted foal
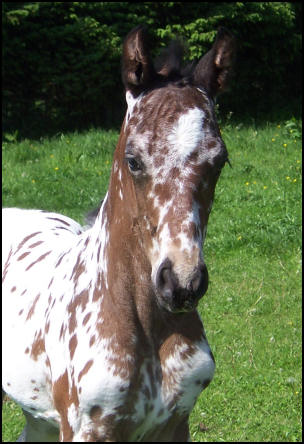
{"points": [[101, 337]]}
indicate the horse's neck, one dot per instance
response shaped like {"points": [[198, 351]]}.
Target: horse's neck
{"points": [[124, 265], [127, 290]]}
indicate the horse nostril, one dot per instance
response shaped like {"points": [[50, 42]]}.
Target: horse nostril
{"points": [[195, 282], [175, 297], [166, 281], [201, 280]]}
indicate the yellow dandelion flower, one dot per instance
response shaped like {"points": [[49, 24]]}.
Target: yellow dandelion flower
{"points": [[239, 238], [294, 180], [247, 183], [287, 178], [265, 187], [298, 161], [33, 181], [278, 126], [56, 168], [284, 145], [273, 139]]}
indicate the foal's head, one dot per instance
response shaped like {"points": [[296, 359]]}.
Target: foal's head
{"points": [[170, 156]]}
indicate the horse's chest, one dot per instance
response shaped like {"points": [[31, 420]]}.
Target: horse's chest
{"points": [[170, 387], [141, 400]]}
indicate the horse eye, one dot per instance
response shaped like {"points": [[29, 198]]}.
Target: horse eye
{"points": [[133, 164]]}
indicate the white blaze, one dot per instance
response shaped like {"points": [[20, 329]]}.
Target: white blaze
{"points": [[187, 132]]}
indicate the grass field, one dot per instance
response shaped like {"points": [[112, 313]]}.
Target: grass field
{"points": [[252, 310]]}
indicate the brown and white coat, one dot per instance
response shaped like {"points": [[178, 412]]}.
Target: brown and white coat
{"points": [[101, 337]]}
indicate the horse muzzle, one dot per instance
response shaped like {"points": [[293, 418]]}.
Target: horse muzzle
{"points": [[176, 297]]}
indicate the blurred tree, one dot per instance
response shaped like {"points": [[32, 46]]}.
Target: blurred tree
{"points": [[61, 60]]}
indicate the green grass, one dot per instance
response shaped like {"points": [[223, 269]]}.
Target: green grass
{"points": [[13, 421], [68, 173], [252, 310]]}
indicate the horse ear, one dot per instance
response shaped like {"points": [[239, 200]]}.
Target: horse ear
{"points": [[215, 69], [137, 66]]}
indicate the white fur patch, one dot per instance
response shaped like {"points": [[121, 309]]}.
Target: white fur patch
{"points": [[131, 102], [187, 132], [199, 365]]}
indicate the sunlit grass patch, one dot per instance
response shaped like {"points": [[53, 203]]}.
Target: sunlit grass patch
{"points": [[252, 310]]}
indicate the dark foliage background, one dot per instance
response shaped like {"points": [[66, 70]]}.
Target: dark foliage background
{"points": [[61, 60]]}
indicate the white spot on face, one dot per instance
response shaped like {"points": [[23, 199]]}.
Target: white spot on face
{"points": [[119, 175], [163, 210], [186, 255], [131, 102], [187, 132]]}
